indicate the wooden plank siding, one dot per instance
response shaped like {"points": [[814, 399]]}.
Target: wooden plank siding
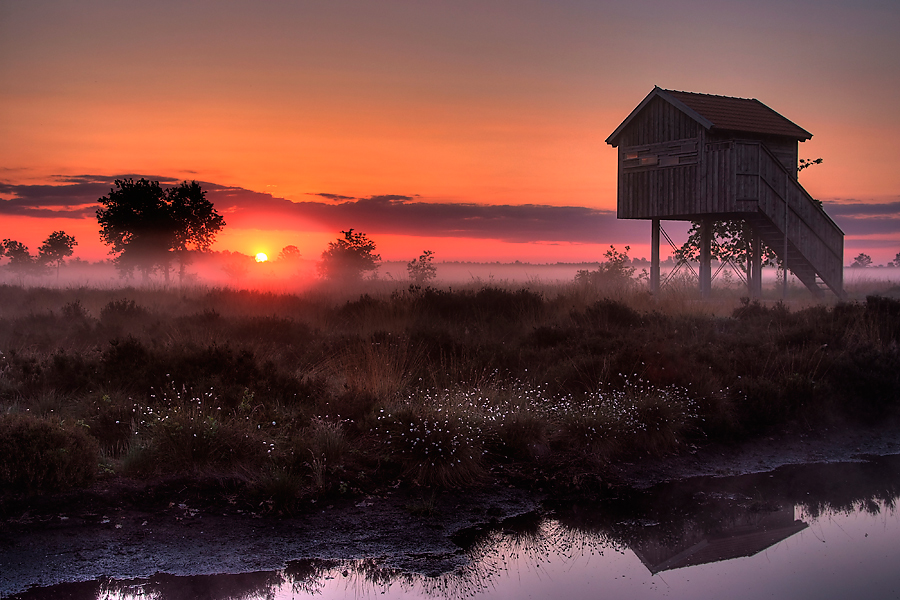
{"points": [[670, 186], [675, 163], [736, 179], [659, 122]]}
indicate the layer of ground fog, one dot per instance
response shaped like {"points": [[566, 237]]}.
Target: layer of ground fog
{"points": [[269, 402]]}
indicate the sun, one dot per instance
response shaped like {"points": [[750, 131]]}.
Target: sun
{"points": [[261, 257]]}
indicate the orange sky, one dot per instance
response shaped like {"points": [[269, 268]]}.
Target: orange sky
{"points": [[450, 103]]}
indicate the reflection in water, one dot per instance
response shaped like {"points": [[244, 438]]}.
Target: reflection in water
{"points": [[745, 535], [691, 524]]}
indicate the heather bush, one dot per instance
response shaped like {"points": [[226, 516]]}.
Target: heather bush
{"points": [[439, 387], [434, 441], [43, 455], [184, 431]]}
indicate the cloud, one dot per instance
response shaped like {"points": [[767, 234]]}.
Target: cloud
{"points": [[856, 210], [20, 209], [401, 214], [867, 219], [336, 197]]}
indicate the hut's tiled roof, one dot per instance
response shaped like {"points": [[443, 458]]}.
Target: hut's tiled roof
{"points": [[723, 113], [739, 114]]}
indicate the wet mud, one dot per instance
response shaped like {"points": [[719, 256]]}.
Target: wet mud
{"points": [[104, 534]]}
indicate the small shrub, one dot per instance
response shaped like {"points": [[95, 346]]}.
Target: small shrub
{"points": [[638, 418], [125, 363], [615, 273], [884, 313], [119, 311], [74, 311], [326, 440], [522, 435], [491, 303], [435, 446], [869, 379], [608, 314], [40, 455], [280, 488], [112, 423], [755, 310], [188, 432], [548, 337]]}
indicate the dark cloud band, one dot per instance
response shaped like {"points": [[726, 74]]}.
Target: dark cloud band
{"points": [[401, 214]]}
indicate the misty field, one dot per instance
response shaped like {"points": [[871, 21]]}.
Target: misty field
{"points": [[280, 398]]}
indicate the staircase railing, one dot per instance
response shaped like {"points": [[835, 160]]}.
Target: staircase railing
{"points": [[815, 242]]}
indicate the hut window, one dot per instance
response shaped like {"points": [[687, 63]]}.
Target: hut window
{"points": [[668, 161], [653, 156]]}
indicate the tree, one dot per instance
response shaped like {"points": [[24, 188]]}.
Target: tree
{"points": [[732, 243], [348, 258], [237, 266], [20, 260], [422, 270], [616, 271], [805, 163], [196, 222], [862, 261], [56, 248], [289, 254], [896, 261], [136, 223], [146, 225]]}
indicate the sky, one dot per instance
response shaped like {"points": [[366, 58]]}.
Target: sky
{"points": [[474, 129]]}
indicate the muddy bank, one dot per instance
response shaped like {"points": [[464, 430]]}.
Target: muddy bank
{"points": [[824, 445], [107, 533], [409, 530]]}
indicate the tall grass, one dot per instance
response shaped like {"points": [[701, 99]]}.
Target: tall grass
{"points": [[317, 394]]}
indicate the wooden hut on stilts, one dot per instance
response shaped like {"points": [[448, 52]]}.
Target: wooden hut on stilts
{"points": [[697, 157]]}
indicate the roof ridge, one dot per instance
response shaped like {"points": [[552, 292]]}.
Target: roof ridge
{"points": [[710, 95], [724, 113]]}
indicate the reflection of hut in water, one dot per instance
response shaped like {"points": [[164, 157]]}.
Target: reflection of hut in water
{"points": [[746, 534]]}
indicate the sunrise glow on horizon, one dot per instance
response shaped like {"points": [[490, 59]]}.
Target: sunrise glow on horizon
{"points": [[476, 131]]}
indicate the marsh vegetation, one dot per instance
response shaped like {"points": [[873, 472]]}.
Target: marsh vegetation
{"points": [[278, 399]]}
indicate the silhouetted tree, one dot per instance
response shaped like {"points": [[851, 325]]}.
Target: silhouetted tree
{"points": [[289, 254], [732, 242], [20, 260], [135, 222], [146, 225], [861, 261], [236, 269], [422, 270], [349, 258], [56, 248], [896, 261], [196, 222]]}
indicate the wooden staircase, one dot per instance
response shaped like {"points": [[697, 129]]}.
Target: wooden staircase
{"points": [[815, 244]]}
